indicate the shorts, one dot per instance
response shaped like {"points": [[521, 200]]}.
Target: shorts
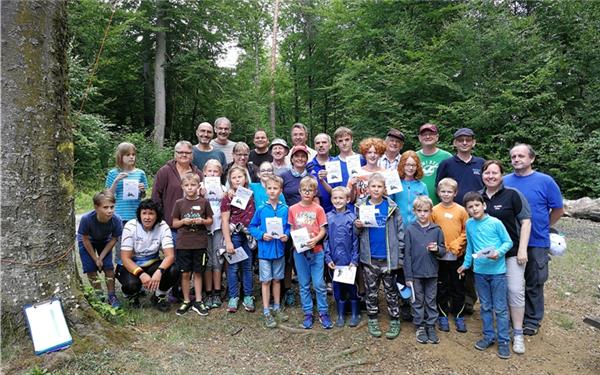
{"points": [[88, 263], [271, 269], [215, 242], [191, 260]]}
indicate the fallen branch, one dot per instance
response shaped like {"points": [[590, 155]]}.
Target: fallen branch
{"points": [[358, 362], [342, 353]]}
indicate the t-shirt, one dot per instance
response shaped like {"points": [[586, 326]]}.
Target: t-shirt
{"points": [[227, 149], [193, 236], [377, 236], [236, 214], [257, 159], [453, 222], [201, 157], [145, 244], [543, 194], [468, 175], [314, 167], [430, 165], [126, 207], [311, 217], [99, 233]]}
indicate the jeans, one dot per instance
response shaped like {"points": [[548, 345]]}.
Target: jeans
{"points": [[492, 291], [239, 240], [536, 274], [310, 266]]}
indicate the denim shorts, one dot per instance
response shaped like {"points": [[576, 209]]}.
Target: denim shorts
{"points": [[88, 263], [271, 269]]}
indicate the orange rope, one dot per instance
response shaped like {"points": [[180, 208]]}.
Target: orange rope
{"points": [[40, 264]]}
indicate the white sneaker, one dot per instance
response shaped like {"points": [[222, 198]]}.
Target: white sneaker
{"points": [[519, 344]]}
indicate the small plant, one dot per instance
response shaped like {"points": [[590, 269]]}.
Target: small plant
{"points": [[38, 371], [104, 309]]}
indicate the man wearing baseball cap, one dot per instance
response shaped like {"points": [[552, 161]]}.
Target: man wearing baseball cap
{"points": [[394, 141], [431, 156]]}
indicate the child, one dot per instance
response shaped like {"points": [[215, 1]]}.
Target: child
{"points": [[341, 249], [99, 231], [234, 222], [191, 216], [310, 263], [214, 268], [380, 251], [452, 218], [271, 249], [423, 245], [410, 171], [487, 242]]}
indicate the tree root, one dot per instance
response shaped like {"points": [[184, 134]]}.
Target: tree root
{"points": [[358, 362], [342, 353]]}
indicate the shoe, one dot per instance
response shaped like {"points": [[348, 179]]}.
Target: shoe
{"points": [[519, 344], [248, 304], [280, 315], [290, 298], [160, 302], [114, 302], [208, 302], [422, 335], [355, 318], [134, 302], [443, 324], [530, 330], [200, 308], [270, 321], [503, 350], [325, 321], [216, 302], [483, 344], [232, 305], [394, 330], [373, 326], [432, 336], [307, 323], [185, 306], [468, 310], [461, 326], [341, 308]]}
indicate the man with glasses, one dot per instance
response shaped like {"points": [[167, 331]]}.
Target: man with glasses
{"points": [[431, 157], [394, 141], [203, 151], [222, 142], [241, 153]]}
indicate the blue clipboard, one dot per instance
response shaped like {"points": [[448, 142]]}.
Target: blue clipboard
{"points": [[47, 326]]}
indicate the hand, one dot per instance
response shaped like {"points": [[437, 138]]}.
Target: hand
{"points": [[353, 181], [432, 246], [230, 193], [267, 237], [198, 221], [322, 174], [522, 257], [202, 191], [311, 243], [187, 221], [141, 187], [331, 265], [99, 263], [493, 255], [283, 238], [121, 176], [229, 247], [461, 272], [358, 224], [351, 265], [409, 284]]}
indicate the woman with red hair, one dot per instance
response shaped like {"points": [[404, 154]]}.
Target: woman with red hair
{"points": [[411, 173]]}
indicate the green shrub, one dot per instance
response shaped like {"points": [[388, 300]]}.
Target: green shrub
{"points": [[93, 147], [149, 157]]}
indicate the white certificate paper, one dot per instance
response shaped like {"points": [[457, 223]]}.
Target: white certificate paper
{"points": [[131, 189], [392, 181], [300, 238], [236, 257], [366, 214], [334, 171], [213, 188], [353, 164], [241, 197], [274, 226], [344, 274]]}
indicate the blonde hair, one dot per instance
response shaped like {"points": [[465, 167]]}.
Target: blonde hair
{"points": [[190, 176], [308, 181], [243, 170], [123, 149], [342, 131], [275, 179], [341, 189], [422, 200], [376, 177], [104, 195], [214, 163], [448, 182]]}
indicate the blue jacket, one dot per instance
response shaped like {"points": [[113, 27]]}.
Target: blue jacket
{"points": [[341, 243], [258, 226], [487, 232], [405, 199], [418, 261]]}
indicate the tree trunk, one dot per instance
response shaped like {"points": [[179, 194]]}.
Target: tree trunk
{"points": [[274, 65], [159, 83], [147, 82], [38, 256]]}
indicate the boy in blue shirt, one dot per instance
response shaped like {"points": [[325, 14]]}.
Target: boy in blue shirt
{"points": [[487, 243], [98, 232]]}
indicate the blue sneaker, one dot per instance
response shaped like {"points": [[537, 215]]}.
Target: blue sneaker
{"points": [[114, 302], [325, 321], [503, 350], [308, 321], [483, 344], [461, 326], [443, 324]]}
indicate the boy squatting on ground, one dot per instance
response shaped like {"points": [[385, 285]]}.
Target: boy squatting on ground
{"points": [[380, 249], [487, 242], [341, 249], [99, 231], [423, 245], [271, 249], [192, 215]]}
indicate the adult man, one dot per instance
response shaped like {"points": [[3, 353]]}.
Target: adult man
{"points": [[299, 134], [394, 141], [203, 151], [222, 142], [279, 150], [260, 153], [316, 167], [431, 156], [545, 201]]}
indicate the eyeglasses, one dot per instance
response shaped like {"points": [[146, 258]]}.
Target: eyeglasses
{"points": [[242, 155], [307, 191], [183, 152], [266, 170]]}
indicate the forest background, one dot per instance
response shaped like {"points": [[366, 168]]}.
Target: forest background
{"points": [[513, 71]]}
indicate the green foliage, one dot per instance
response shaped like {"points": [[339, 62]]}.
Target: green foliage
{"points": [[104, 309], [93, 147]]}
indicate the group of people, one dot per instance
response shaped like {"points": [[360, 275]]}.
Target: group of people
{"points": [[455, 231]]}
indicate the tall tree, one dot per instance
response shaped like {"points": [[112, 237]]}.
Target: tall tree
{"points": [[274, 64], [160, 110]]}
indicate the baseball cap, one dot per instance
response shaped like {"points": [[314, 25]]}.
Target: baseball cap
{"points": [[464, 132], [396, 134], [298, 148], [432, 128]]}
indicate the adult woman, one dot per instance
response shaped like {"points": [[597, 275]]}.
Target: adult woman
{"points": [[241, 152], [259, 189], [510, 207], [140, 263], [167, 183], [411, 172], [371, 149]]}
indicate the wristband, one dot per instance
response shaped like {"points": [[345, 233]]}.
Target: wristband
{"points": [[138, 271]]}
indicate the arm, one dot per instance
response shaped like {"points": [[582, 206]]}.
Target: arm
{"points": [[401, 234], [326, 246], [556, 214], [178, 222], [523, 241], [255, 226], [408, 274], [107, 249], [314, 240], [457, 247], [507, 243], [225, 215], [152, 282]]}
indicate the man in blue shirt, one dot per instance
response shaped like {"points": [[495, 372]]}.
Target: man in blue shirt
{"points": [[316, 168]]}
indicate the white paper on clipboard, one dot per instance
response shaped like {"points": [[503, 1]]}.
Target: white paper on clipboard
{"points": [[47, 326]]}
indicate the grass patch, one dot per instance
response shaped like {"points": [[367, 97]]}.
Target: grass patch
{"points": [[84, 194], [564, 321]]}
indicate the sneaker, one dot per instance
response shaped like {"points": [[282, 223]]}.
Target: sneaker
{"points": [[325, 321], [422, 335], [530, 330], [200, 308], [461, 326], [280, 315], [248, 304], [114, 302], [160, 302], [432, 336], [216, 302], [290, 298], [208, 302], [503, 350], [307, 323], [373, 326], [443, 324], [270, 321], [185, 306], [519, 344], [483, 344], [394, 330], [232, 305]]}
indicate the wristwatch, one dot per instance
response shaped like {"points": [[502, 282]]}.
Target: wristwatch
{"points": [[162, 270]]}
